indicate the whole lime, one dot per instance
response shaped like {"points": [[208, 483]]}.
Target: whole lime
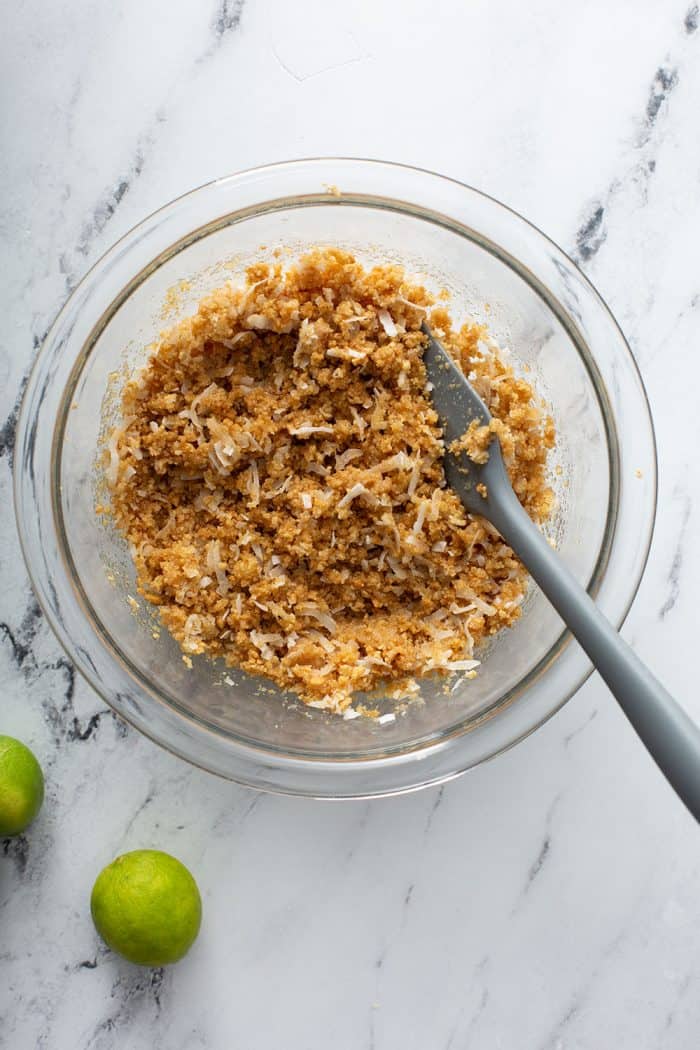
{"points": [[21, 786], [146, 906]]}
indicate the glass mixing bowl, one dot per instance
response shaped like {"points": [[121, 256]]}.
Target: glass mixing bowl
{"points": [[498, 268]]}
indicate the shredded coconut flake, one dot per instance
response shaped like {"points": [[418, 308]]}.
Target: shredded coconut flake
{"points": [[396, 567], [324, 618], [230, 343], [387, 323], [346, 457], [307, 430], [254, 485], [420, 517], [414, 478], [346, 354], [462, 665], [359, 422], [354, 493], [413, 306]]}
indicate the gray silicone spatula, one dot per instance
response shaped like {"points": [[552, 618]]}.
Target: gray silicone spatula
{"points": [[667, 732]]}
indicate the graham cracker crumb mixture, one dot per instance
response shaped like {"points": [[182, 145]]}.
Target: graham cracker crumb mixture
{"points": [[278, 474]]}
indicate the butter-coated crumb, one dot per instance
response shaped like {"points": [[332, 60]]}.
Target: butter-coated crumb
{"points": [[278, 474]]}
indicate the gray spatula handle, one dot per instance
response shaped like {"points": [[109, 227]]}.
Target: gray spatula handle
{"points": [[669, 735]]}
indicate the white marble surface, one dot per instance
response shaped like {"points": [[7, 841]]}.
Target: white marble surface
{"points": [[549, 900]]}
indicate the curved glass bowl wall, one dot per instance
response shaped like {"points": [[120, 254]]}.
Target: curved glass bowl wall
{"points": [[498, 269]]}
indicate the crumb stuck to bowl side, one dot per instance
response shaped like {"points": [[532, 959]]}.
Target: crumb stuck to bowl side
{"points": [[278, 474]]}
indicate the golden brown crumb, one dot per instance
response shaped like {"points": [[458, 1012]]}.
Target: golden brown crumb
{"points": [[279, 476], [477, 438]]}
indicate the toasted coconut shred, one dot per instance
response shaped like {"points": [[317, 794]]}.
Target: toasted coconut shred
{"points": [[278, 475]]}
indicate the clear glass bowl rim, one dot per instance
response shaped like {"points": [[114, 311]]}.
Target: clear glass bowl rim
{"points": [[186, 736]]}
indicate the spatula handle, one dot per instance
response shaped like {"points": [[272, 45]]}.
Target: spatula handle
{"points": [[671, 738]]}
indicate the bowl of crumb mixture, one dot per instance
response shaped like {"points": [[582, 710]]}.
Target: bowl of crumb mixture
{"points": [[229, 482]]}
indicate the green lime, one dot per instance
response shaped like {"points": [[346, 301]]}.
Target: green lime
{"points": [[21, 786], [147, 907]]}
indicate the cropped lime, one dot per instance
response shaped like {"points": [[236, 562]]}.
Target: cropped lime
{"points": [[21, 786], [146, 906]]}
